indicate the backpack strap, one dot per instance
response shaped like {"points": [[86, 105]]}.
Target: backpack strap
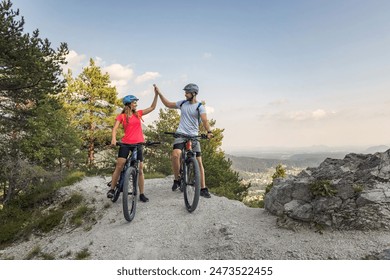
{"points": [[197, 108]]}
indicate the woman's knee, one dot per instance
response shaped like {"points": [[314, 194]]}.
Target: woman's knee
{"points": [[120, 163]]}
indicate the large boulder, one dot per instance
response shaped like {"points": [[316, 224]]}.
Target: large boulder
{"points": [[349, 193]]}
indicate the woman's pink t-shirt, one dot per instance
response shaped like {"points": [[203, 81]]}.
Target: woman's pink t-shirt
{"points": [[132, 128]]}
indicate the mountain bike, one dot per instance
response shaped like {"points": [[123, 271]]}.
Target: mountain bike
{"points": [[128, 181], [189, 170]]}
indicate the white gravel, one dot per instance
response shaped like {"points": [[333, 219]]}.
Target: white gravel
{"points": [[218, 229]]}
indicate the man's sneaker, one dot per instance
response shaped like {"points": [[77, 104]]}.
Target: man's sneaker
{"points": [[205, 193], [176, 184], [110, 193], [143, 198]]}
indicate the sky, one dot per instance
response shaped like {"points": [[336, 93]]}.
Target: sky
{"points": [[272, 73]]}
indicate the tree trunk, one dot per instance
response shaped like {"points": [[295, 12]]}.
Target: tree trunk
{"points": [[91, 153], [8, 191]]}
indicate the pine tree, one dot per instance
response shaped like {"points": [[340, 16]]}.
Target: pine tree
{"points": [[30, 71], [91, 103], [51, 142]]}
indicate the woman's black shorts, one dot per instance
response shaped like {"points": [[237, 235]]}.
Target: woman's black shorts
{"points": [[124, 152]]}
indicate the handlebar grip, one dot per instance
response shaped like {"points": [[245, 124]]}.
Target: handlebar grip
{"points": [[153, 143]]}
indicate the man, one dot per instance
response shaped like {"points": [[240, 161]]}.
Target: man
{"points": [[191, 112]]}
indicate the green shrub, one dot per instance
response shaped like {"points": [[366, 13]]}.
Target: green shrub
{"points": [[280, 172], [357, 188], [81, 214], [83, 254], [48, 222], [33, 253], [72, 178], [322, 188], [255, 203], [23, 214], [74, 200], [13, 222]]}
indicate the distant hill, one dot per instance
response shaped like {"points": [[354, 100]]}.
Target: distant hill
{"points": [[376, 149], [261, 161], [259, 165]]}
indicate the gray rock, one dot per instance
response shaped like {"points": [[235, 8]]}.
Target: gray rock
{"points": [[356, 196]]}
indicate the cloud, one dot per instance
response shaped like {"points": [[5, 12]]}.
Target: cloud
{"points": [[75, 61], [309, 115], [319, 114], [120, 76], [209, 110], [147, 76], [298, 116], [119, 72]]}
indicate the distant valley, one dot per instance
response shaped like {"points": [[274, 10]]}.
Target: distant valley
{"points": [[257, 167], [260, 160]]}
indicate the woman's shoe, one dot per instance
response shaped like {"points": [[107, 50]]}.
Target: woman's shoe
{"points": [[110, 193], [143, 198]]}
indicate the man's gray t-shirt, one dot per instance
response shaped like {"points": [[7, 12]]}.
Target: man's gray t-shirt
{"points": [[189, 123]]}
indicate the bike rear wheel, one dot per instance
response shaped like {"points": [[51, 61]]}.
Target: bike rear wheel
{"points": [[129, 195], [191, 184]]}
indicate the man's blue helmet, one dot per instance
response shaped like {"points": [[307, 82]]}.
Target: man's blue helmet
{"points": [[193, 88], [128, 99]]}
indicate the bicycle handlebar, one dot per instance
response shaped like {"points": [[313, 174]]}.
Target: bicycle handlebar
{"points": [[178, 135], [147, 143]]}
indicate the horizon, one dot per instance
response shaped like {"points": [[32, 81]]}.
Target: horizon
{"points": [[305, 149], [284, 73]]}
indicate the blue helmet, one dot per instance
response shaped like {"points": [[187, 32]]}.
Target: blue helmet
{"points": [[128, 99], [191, 88]]}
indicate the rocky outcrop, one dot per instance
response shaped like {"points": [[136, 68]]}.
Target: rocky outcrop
{"points": [[349, 193]]}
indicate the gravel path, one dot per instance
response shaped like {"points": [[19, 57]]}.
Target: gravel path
{"points": [[218, 229]]}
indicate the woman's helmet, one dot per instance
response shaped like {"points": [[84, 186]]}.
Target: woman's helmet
{"points": [[128, 99], [191, 88]]}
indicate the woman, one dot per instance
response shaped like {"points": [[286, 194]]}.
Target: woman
{"points": [[130, 119]]}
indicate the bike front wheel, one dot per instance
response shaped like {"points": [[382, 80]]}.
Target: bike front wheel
{"points": [[191, 186], [129, 194]]}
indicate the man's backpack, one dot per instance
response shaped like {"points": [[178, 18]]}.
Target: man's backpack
{"points": [[197, 108]]}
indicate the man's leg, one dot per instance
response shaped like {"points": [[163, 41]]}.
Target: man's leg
{"points": [[176, 154], [204, 190], [141, 183], [201, 169]]}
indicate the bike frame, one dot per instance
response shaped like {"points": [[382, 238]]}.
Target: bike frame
{"points": [[130, 161], [189, 165], [129, 206], [186, 153]]}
